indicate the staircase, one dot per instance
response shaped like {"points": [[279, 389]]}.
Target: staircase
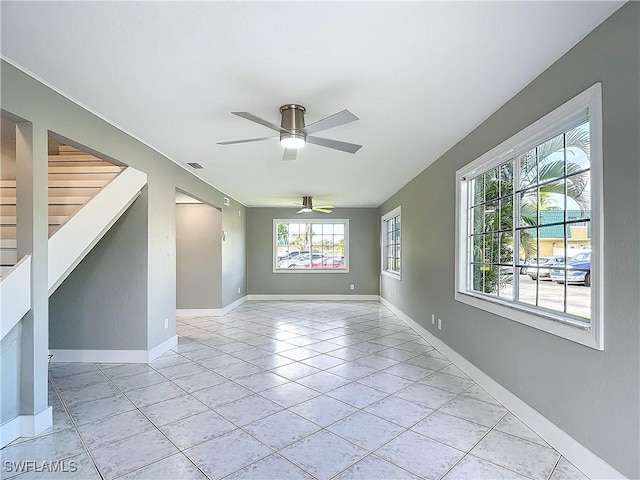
{"points": [[87, 195], [75, 178]]}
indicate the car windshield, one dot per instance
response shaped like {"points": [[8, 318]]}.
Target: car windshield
{"points": [[581, 257]]}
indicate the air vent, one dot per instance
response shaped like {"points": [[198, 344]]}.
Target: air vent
{"points": [[195, 165]]}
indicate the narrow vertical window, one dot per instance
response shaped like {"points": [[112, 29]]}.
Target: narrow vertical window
{"points": [[391, 244]]}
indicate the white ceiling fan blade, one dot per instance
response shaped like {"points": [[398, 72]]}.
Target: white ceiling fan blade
{"points": [[324, 206], [301, 211], [261, 121], [248, 140], [335, 120], [321, 210], [335, 144], [289, 154]]}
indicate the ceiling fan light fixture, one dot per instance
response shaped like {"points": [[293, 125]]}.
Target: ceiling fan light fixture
{"points": [[293, 140]]}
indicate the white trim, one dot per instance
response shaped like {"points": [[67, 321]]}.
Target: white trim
{"points": [[99, 356], [25, 426], [583, 458], [210, 312], [15, 292], [234, 305], [199, 312], [113, 356], [396, 212], [556, 323], [274, 240], [73, 240], [162, 348], [311, 298]]}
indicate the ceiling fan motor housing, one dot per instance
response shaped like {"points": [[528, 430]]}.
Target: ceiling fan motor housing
{"points": [[307, 203], [293, 121]]}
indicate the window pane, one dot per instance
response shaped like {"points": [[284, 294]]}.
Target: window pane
{"points": [[491, 184], [528, 169], [528, 214], [579, 146], [316, 228], [506, 178], [506, 213], [327, 228], [478, 219], [491, 215], [579, 194], [551, 158], [477, 189], [338, 228]]}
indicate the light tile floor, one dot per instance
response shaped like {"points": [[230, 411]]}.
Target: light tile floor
{"points": [[285, 390]]}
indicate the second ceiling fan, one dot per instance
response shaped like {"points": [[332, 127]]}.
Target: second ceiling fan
{"points": [[307, 206], [294, 134]]}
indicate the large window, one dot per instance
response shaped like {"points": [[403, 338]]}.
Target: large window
{"points": [[312, 246], [528, 237], [391, 245]]}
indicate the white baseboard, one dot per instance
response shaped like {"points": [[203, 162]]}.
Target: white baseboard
{"points": [[312, 298], [583, 458], [199, 312], [165, 346], [113, 356], [99, 356], [25, 426], [210, 312], [234, 305]]}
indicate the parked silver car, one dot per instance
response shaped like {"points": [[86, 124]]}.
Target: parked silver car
{"points": [[541, 267]]}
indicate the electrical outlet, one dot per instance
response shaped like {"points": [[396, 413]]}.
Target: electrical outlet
{"points": [[439, 324], [166, 323], [239, 290], [352, 286], [433, 319]]}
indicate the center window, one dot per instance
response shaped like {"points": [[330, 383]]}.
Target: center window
{"points": [[317, 246]]}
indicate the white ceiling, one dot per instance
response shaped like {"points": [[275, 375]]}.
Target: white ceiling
{"points": [[419, 75]]}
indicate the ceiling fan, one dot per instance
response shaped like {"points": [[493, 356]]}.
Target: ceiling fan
{"points": [[307, 206], [294, 134]]}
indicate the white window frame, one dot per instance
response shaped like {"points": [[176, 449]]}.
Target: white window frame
{"points": [[343, 221], [551, 124], [396, 212]]}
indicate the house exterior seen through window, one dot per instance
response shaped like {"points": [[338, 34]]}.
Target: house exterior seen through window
{"points": [[312, 246], [528, 224]]}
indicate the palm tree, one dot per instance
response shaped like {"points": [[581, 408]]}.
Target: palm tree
{"points": [[543, 173]]}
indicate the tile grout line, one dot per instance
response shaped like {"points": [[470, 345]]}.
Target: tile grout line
{"points": [[75, 426]]}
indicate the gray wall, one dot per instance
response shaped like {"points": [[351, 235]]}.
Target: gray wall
{"points": [[364, 255], [198, 256], [105, 295], [234, 252], [592, 395]]}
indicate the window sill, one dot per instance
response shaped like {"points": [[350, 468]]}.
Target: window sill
{"points": [[389, 274], [306, 270], [537, 319]]}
